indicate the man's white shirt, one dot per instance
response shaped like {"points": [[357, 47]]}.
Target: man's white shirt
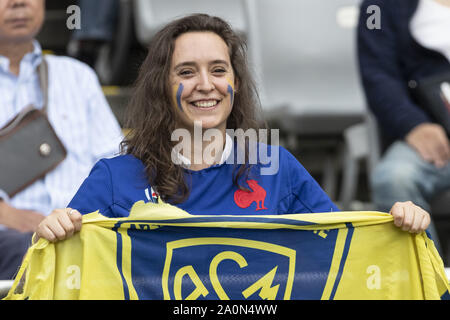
{"points": [[79, 113]]}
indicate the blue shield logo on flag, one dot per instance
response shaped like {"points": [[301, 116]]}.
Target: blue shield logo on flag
{"points": [[227, 268]]}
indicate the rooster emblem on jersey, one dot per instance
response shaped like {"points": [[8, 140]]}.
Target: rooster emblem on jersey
{"points": [[245, 198]]}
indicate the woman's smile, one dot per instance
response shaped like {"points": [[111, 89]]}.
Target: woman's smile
{"points": [[205, 104]]}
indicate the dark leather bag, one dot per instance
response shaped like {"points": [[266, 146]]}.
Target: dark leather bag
{"points": [[433, 94], [29, 146]]}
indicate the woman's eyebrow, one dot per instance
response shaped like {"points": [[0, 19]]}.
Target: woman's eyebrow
{"points": [[185, 64], [220, 62], [194, 64]]}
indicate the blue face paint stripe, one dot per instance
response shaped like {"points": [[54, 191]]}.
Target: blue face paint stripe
{"points": [[179, 92], [231, 92]]}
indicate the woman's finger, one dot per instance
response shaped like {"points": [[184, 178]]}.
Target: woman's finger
{"points": [[76, 218], [44, 232], [55, 226], [66, 223], [408, 219], [398, 214], [425, 222], [417, 222]]}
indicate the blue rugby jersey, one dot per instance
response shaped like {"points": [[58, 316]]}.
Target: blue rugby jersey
{"points": [[115, 184]]}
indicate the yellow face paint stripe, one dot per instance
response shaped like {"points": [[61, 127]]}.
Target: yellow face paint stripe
{"points": [[177, 90], [230, 90]]}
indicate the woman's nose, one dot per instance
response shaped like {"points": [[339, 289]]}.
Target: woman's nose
{"points": [[205, 82]]}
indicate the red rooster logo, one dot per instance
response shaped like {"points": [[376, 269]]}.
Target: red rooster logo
{"points": [[245, 198]]}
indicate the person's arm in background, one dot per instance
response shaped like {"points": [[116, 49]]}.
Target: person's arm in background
{"points": [[387, 92], [104, 130], [18, 219]]}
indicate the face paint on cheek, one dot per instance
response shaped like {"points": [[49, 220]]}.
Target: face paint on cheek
{"points": [[231, 91], [177, 91]]}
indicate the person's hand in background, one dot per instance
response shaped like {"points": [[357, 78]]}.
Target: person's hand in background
{"points": [[431, 142]]}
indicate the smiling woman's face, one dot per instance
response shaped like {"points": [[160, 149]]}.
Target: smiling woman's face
{"points": [[20, 20], [202, 79]]}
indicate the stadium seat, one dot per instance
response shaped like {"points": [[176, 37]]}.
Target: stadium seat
{"points": [[309, 79], [115, 64], [309, 62], [151, 15]]}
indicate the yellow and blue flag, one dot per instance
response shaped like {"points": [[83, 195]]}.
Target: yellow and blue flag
{"points": [[162, 252]]}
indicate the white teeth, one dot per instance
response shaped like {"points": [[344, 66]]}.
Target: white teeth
{"points": [[205, 104]]}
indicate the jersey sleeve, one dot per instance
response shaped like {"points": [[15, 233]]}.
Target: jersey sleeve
{"points": [[96, 192], [306, 192]]}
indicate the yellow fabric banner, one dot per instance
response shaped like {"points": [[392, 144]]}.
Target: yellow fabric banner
{"points": [[162, 252]]}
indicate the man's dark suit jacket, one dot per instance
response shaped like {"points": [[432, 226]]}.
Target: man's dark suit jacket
{"points": [[389, 58]]}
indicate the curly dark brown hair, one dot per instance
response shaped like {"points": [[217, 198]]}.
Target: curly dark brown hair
{"points": [[151, 117]]}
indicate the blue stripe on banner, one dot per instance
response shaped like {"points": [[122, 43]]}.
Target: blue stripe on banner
{"points": [[445, 296], [224, 219], [348, 240], [126, 292]]}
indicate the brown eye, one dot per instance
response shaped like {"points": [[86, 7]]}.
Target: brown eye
{"points": [[185, 73], [219, 70]]}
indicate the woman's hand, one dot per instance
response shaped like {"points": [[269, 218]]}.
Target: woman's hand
{"points": [[59, 225], [410, 217]]}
